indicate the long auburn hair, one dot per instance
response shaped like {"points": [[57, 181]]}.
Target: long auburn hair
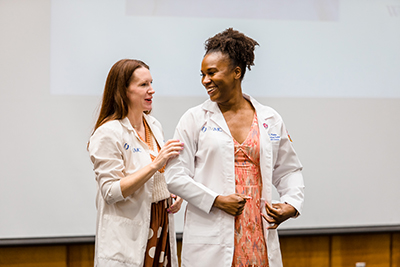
{"points": [[115, 103]]}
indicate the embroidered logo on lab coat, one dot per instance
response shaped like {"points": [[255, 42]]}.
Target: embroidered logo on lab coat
{"points": [[274, 137], [209, 128], [134, 149]]}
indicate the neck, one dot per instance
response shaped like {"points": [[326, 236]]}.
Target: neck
{"points": [[235, 103], [136, 120]]}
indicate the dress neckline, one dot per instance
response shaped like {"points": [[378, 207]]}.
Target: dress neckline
{"points": [[255, 122]]}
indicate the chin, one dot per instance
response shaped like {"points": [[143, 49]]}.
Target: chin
{"points": [[214, 98]]}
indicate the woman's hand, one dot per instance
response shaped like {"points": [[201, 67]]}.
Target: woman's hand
{"points": [[278, 213], [232, 204], [176, 205], [134, 181], [171, 148]]}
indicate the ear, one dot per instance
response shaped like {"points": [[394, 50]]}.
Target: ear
{"points": [[238, 73]]}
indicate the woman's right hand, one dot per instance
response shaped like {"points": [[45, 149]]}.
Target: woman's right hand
{"points": [[134, 181], [232, 204], [171, 148]]}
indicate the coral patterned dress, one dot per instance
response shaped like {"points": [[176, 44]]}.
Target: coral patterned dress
{"points": [[250, 247]]}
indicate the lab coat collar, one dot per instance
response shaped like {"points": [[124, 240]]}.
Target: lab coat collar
{"points": [[263, 112], [127, 124], [215, 115], [151, 122]]}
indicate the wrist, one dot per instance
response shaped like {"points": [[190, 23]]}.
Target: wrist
{"points": [[216, 202], [154, 166], [295, 212]]}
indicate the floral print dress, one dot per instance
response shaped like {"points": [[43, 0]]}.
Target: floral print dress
{"points": [[250, 246]]}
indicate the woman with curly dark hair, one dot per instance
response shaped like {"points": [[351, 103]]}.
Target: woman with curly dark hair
{"points": [[236, 149]]}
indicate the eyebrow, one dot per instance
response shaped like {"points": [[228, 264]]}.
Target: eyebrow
{"points": [[212, 68]]}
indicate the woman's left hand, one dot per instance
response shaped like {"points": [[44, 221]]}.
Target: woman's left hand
{"points": [[176, 206], [278, 213]]}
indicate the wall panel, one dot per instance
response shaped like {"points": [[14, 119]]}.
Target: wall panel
{"points": [[377, 250], [373, 249], [395, 250], [305, 251], [33, 256]]}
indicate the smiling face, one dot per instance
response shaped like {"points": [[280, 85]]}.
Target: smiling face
{"points": [[140, 91], [219, 77]]}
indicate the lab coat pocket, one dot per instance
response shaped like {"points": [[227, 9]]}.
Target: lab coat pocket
{"points": [[119, 238], [201, 227]]}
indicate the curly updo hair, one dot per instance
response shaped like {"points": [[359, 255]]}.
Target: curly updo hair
{"points": [[237, 46]]}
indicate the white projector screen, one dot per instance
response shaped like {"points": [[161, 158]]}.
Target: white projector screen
{"points": [[331, 68]]}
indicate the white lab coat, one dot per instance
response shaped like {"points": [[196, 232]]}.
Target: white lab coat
{"points": [[205, 169], [123, 223]]}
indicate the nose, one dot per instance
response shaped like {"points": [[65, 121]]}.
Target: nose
{"points": [[205, 79], [151, 90]]}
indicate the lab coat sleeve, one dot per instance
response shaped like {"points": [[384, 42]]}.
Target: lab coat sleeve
{"points": [[180, 171], [287, 176], [105, 152]]}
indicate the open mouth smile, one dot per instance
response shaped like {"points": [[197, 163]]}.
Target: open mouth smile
{"points": [[211, 90]]}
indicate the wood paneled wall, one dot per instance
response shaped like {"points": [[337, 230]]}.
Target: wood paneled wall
{"points": [[376, 250]]}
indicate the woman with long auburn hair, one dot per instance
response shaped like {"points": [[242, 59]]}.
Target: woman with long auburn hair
{"points": [[134, 207]]}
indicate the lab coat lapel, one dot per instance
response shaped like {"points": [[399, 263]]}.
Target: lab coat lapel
{"points": [[216, 116], [126, 123], [265, 147], [155, 130], [262, 114]]}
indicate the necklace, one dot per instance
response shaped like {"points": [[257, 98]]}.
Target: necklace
{"points": [[136, 126], [139, 121]]}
